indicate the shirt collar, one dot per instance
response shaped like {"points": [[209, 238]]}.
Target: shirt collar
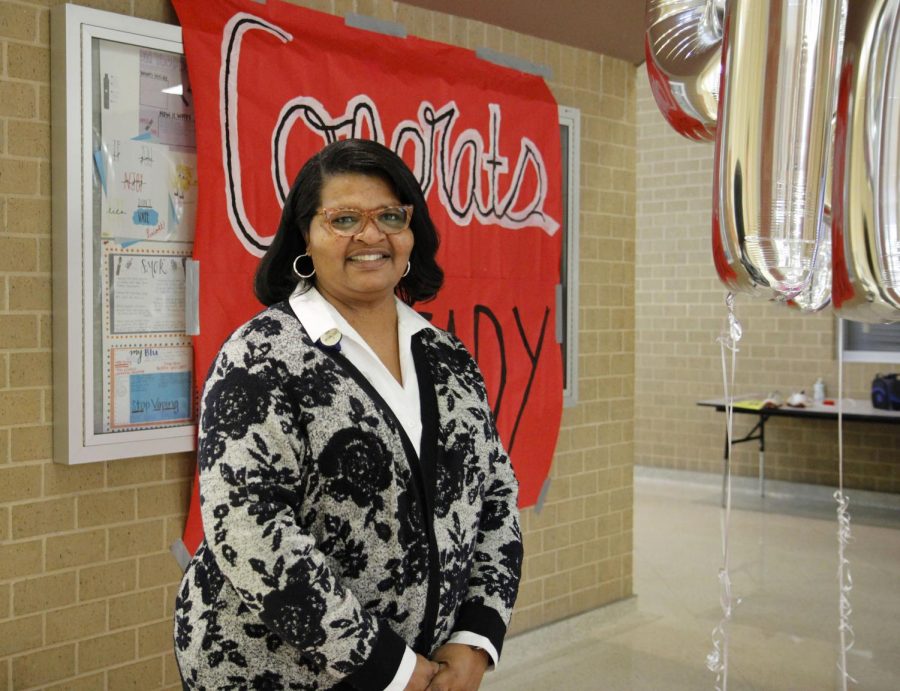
{"points": [[410, 322], [314, 312], [317, 316]]}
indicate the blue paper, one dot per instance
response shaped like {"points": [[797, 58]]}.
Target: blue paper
{"points": [[100, 165], [145, 216], [160, 397]]}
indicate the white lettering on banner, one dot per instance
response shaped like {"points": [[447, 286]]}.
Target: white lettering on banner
{"points": [[232, 36], [456, 166], [360, 121]]}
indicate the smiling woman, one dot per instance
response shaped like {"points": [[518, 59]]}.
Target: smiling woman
{"points": [[327, 183], [361, 513], [359, 270]]}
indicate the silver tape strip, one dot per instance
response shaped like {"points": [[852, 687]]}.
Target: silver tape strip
{"points": [[192, 298], [381, 26], [539, 506], [515, 63], [181, 554]]}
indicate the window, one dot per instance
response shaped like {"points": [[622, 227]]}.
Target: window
{"points": [[870, 342], [567, 291]]}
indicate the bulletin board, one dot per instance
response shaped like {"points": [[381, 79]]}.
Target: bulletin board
{"points": [[124, 207]]}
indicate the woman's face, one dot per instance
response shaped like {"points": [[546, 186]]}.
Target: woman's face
{"points": [[366, 268]]}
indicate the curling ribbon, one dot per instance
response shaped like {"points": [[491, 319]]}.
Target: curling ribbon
{"points": [[717, 660], [845, 581]]}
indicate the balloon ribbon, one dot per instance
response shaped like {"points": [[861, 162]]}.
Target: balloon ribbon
{"points": [[717, 660], [845, 581]]}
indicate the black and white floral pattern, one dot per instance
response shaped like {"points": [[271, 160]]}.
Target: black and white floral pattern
{"points": [[329, 543]]}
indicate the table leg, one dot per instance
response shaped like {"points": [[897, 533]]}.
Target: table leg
{"points": [[762, 473], [757, 433], [762, 454]]}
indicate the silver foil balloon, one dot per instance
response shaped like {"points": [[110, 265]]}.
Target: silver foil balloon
{"points": [[817, 294], [777, 99], [866, 226], [683, 46]]}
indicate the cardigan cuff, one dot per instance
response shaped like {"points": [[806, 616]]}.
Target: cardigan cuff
{"points": [[379, 670], [482, 620]]}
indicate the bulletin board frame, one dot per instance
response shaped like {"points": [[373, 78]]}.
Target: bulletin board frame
{"points": [[87, 361]]}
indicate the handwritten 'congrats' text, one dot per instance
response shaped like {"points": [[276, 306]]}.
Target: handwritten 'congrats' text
{"points": [[466, 171]]}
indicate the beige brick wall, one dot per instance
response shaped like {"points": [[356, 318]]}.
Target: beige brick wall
{"points": [[579, 548], [86, 580], [680, 311]]}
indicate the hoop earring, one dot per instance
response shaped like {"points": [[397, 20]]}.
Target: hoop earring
{"points": [[298, 272], [406, 273]]}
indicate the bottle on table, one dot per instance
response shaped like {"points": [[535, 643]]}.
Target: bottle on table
{"points": [[819, 391]]}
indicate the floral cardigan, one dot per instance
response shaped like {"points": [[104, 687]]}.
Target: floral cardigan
{"points": [[330, 544]]}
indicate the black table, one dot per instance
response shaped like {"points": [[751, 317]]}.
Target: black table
{"points": [[855, 410]]}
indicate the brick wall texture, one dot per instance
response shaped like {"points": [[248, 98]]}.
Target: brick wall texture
{"points": [[86, 580], [680, 312]]}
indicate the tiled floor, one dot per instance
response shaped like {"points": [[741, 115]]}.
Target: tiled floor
{"points": [[784, 569]]}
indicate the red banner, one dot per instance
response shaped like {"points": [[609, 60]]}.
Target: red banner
{"points": [[274, 83]]}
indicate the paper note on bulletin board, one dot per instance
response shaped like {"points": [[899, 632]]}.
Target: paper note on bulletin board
{"points": [[146, 292], [146, 162], [149, 386]]}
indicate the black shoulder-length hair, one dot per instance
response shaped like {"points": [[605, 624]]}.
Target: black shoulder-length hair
{"points": [[275, 278]]}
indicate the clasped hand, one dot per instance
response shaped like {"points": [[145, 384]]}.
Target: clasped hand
{"points": [[455, 667]]}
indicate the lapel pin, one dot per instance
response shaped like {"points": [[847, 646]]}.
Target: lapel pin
{"points": [[331, 338]]}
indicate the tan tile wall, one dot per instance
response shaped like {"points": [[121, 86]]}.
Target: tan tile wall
{"points": [[579, 548], [680, 311], [86, 580]]}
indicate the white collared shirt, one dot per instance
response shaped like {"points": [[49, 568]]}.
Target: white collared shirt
{"points": [[320, 319]]}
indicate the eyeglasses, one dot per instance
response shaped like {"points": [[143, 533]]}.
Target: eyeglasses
{"points": [[350, 222]]}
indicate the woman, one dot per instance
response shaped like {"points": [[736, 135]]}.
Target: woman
{"points": [[359, 508]]}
